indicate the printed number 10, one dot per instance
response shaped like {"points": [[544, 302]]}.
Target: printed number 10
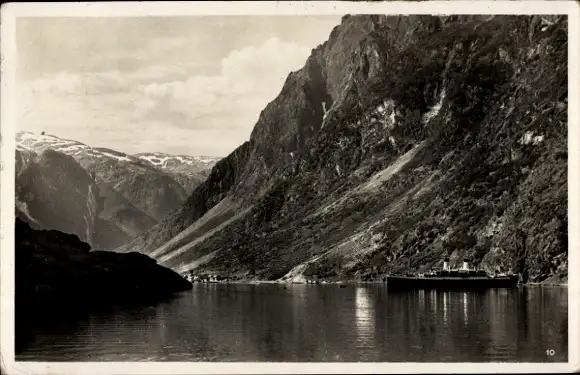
{"points": [[550, 352]]}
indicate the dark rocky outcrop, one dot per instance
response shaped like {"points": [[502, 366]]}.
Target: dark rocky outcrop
{"points": [[57, 272], [403, 139]]}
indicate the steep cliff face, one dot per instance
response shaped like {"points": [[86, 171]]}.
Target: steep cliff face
{"points": [[53, 190], [401, 140], [282, 130]]}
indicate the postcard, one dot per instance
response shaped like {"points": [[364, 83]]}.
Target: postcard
{"points": [[290, 187]]}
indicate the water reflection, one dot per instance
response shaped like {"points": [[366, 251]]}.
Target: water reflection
{"points": [[364, 315], [364, 310], [421, 298], [465, 315], [445, 314], [317, 323]]}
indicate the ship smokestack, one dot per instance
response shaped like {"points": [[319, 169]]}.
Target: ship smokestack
{"points": [[446, 264]]}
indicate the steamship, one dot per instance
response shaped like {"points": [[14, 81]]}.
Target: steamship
{"points": [[447, 278]]}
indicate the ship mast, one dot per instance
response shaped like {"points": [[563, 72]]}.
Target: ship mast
{"points": [[465, 265], [446, 263]]}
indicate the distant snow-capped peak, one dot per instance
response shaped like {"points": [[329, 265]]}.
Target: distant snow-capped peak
{"points": [[26, 140], [39, 142]]}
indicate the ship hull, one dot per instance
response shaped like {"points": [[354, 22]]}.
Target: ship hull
{"points": [[451, 283]]}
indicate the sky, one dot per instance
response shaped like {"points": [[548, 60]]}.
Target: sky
{"points": [[182, 85]]}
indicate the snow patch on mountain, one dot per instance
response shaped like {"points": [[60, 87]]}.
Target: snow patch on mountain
{"points": [[164, 160], [26, 140], [120, 158]]}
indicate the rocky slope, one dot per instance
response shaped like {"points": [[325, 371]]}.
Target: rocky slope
{"points": [[57, 271], [124, 195], [401, 140]]}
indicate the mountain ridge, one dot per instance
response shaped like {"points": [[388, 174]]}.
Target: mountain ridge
{"points": [[402, 139], [194, 167], [124, 194]]}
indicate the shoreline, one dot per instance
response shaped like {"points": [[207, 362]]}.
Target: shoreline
{"points": [[546, 284], [349, 282]]}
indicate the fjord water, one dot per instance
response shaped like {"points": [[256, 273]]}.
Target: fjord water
{"points": [[270, 322]]}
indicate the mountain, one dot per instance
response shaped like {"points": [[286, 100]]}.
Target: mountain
{"points": [[189, 171], [179, 163], [56, 272], [103, 196], [53, 189], [403, 139]]}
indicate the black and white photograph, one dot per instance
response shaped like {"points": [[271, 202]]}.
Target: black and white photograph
{"points": [[289, 184]]}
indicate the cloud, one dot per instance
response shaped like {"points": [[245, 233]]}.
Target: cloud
{"points": [[274, 59], [249, 78], [161, 100]]}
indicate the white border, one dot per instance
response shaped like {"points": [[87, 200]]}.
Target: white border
{"points": [[10, 11]]}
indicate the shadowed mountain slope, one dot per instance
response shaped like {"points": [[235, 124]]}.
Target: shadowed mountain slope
{"points": [[401, 140], [103, 196]]}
